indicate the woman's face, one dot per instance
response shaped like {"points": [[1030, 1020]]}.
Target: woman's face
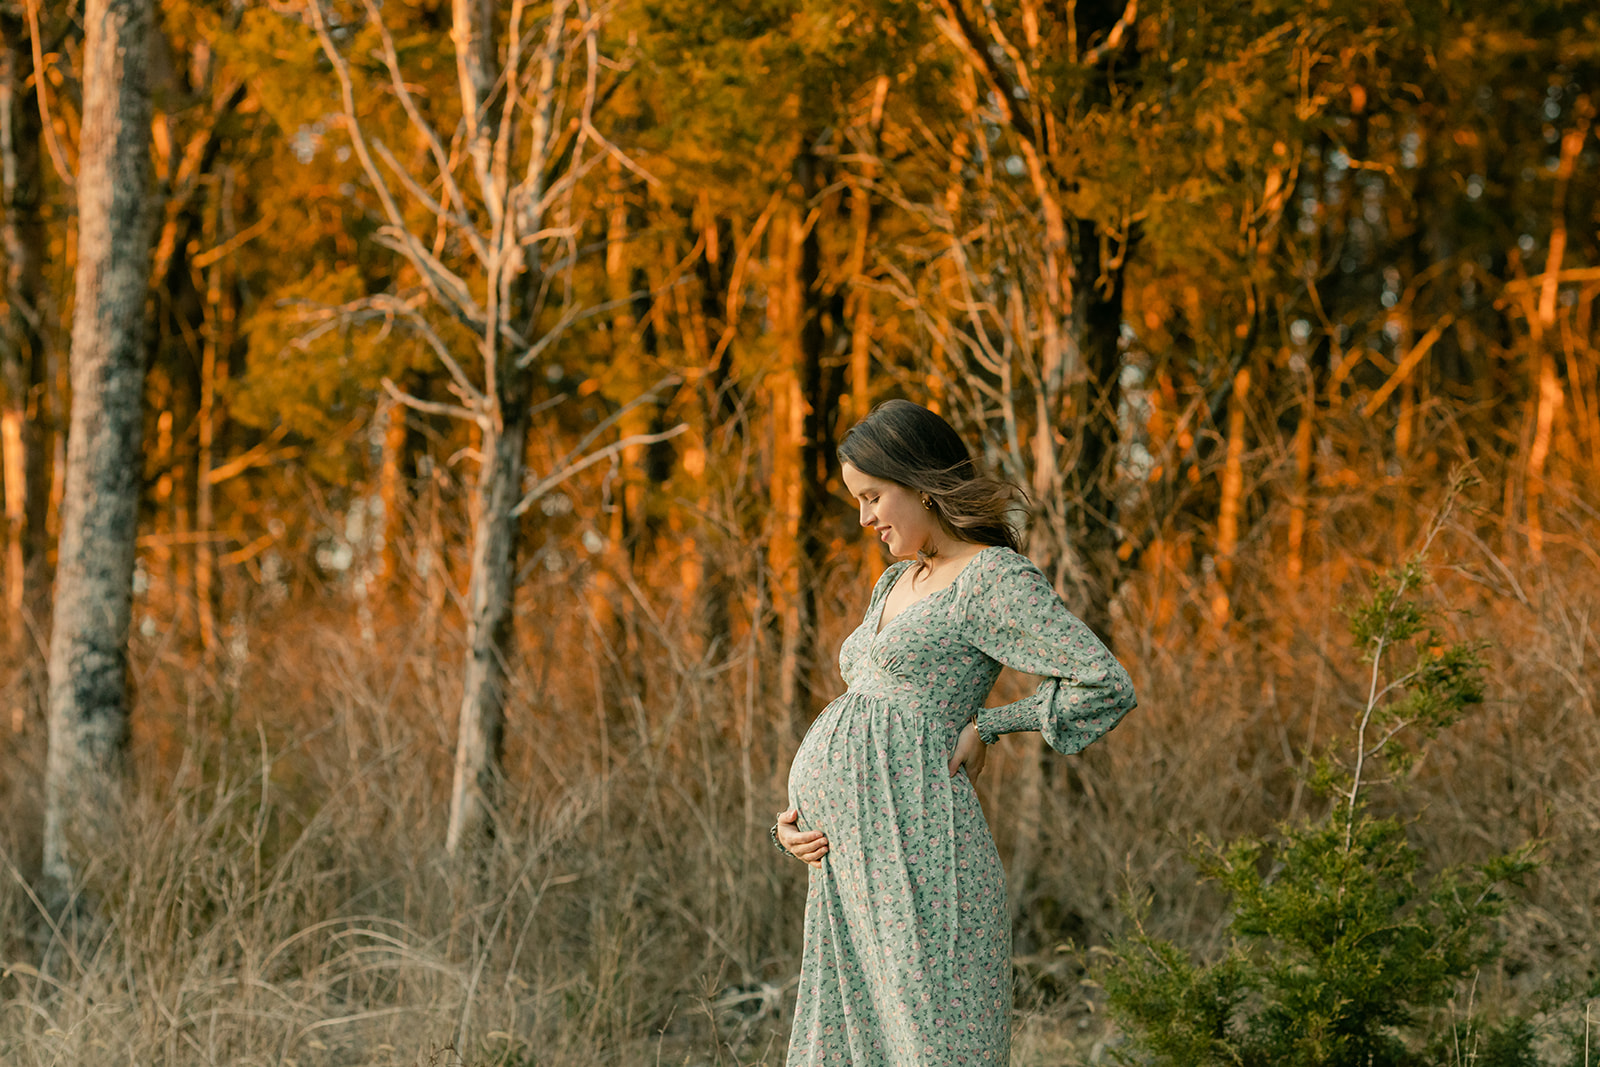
{"points": [[893, 510]]}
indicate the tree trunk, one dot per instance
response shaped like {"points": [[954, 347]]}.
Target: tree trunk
{"points": [[93, 599], [490, 589], [805, 394], [216, 339], [1547, 387], [783, 553], [1097, 390], [1299, 495], [723, 414], [626, 519], [162, 593], [818, 397], [392, 496], [1231, 500], [24, 366], [480, 728], [859, 302]]}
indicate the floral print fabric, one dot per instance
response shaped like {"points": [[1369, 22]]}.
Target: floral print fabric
{"points": [[907, 958]]}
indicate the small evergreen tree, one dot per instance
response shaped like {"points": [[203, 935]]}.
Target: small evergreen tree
{"points": [[1344, 949]]}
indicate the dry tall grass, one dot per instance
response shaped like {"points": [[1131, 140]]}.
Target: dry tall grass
{"points": [[278, 893]]}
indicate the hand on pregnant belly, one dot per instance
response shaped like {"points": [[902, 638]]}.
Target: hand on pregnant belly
{"points": [[808, 846]]}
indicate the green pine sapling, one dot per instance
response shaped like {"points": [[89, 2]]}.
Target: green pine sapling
{"points": [[1345, 951]]}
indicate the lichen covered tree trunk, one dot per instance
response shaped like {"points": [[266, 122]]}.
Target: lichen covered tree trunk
{"points": [[88, 707]]}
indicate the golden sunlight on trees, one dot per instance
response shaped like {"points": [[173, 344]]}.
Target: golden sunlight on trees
{"points": [[517, 235], [424, 543]]}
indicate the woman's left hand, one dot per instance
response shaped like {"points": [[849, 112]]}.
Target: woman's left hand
{"points": [[970, 752]]}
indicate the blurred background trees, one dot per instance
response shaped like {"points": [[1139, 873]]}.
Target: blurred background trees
{"points": [[1227, 288]]}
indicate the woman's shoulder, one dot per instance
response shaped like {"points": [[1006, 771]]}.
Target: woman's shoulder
{"points": [[890, 575], [995, 563], [998, 573]]}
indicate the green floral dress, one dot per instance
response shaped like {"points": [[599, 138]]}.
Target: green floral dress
{"points": [[907, 959]]}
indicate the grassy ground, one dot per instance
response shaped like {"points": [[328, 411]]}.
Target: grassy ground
{"points": [[277, 890]]}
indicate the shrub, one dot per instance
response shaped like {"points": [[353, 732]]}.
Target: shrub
{"points": [[1345, 950]]}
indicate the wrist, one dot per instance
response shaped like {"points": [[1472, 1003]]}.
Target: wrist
{"points": [[989, 736]]}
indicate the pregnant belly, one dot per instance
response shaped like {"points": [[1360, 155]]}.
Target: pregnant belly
{"points": [[817, 786], [867, 765]]}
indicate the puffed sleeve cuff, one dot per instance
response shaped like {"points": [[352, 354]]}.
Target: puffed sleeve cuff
{"points": [[1008, 719], [1069, 717]]}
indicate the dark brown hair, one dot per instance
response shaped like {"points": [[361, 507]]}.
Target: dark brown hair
{"points": [[909, 445]]}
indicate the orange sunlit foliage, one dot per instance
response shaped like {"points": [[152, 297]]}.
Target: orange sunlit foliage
{"points": [[1229, 293]]}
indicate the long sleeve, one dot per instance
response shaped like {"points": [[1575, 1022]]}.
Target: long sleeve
{"points": [[1015, 617]]}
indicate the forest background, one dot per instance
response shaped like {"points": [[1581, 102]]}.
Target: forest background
{"points": [[487, 552]]}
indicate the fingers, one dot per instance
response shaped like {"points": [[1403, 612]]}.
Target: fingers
{"points": [[808, 846], [970, 752], [810, 852], [964, 755], [972, 761], [789, 831]]}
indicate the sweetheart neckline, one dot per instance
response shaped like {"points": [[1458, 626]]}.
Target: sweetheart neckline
{"points": [[881, 626]]}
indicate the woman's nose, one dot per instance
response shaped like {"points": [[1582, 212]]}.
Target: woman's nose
{"points": [[866, 518]]}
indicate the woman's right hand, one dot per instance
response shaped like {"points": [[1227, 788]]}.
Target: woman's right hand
{"points": [[808, 846]]}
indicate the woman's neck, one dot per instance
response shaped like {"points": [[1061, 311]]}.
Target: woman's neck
{"points": [[952, 553]]}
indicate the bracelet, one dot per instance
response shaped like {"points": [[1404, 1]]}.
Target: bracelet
{"points": [[987, 739], [773, 833]]}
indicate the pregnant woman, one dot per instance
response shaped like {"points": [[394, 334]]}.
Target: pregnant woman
{"points": [[907, 959]]}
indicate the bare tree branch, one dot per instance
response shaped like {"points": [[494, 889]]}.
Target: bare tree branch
{"points": [[432, 407], [260, 455], [571, 317], [592, 46], [463, 384], [448, 288], [960, 30], [57, 156], [446, 285], [1113, 39], [446, 167], [590, 460], [389, 306], [612, 419], [462, 224]]}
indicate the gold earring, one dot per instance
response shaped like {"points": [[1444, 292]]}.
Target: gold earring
{"points": [[927, 503]]}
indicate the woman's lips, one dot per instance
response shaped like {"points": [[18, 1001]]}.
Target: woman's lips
{"points": [[883, 534]]}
